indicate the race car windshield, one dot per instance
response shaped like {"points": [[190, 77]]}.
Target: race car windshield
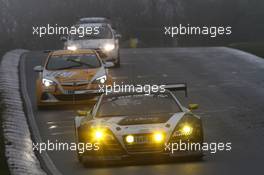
{"points": [[93, 20], [78, 61], [104, 32], [134, 105]]}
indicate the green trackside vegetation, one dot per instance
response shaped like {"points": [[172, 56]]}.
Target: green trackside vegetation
{"points": [[256, 48]]}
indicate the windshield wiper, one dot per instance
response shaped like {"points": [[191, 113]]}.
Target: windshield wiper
{"points": [[69, 67], [80, 62]]}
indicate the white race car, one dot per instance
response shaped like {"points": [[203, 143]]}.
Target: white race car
{"points": [[132, 125], [98, 36]]}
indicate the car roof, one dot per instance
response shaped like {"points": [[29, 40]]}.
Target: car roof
{"points": [[92, 24], [70, 52], [94, 20]]}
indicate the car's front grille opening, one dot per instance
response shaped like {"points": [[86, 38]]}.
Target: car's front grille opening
{"points": [[112, 147], [73, 97]]}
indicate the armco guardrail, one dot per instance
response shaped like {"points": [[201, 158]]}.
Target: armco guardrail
{"points": [[18, 144]]}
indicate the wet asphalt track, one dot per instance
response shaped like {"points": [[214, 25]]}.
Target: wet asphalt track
{"points": [[227, 84]]}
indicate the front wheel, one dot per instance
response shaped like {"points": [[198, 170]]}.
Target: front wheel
{"points": [[117, 62], [79, 156]]}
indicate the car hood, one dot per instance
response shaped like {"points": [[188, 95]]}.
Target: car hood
{"points": [[91, 44], [132, 125], [145, 119]]}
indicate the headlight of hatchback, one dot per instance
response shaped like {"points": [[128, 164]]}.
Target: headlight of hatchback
{"points": [[72, 47], [101, 80], [108, 47], [47, 83]]}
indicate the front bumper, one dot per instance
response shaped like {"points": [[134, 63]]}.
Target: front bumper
{"points": [[69, 97], [144, 147], [118, 152], [64, 94], [141, 156]]}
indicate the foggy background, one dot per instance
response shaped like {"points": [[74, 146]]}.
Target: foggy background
{"points": [[143, 19]]}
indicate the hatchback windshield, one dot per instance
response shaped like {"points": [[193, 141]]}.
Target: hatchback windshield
{"points": [[80, 61], [104, 32], [139, 104]]}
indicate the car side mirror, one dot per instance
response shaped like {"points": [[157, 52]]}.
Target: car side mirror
{"points": [[108, 64], [38, 69], [63, 38], [193, 106], [82, 113]]}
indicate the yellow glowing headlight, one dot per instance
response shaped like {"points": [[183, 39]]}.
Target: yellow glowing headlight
{"points": [[158, 137], [186, 130], [98, 135], [129, 139]]}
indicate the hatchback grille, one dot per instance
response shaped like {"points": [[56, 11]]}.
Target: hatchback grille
{"points": [[71, 97]]}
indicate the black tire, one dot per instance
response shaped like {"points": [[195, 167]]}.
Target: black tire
{"points": [[117, 63], [77, 142], [40, 107], [79, 157]]}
